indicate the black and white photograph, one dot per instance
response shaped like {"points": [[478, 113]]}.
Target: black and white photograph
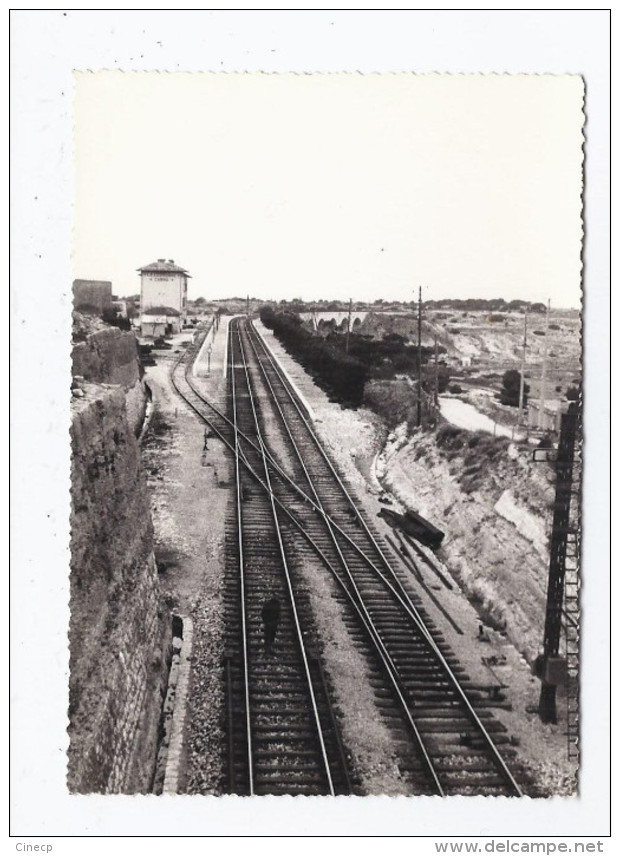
{"points": [[324, 391], [326, 460]]}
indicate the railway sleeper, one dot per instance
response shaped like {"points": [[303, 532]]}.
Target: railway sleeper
{"points": [[305, 773], [465, 778], [297, 718], [279, 697], [478, 767], [267, 681], [447, 712], [287, 667], [440, 739], [293, 733], [477, 752], [451, 726], [287, 753]]}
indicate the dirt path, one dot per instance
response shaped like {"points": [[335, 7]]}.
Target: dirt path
{"points": [[189, 507]]}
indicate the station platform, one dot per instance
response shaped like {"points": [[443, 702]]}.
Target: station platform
{"points": [[212, 358]]}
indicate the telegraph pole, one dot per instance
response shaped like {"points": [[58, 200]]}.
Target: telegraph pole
{"points": [[419, 356], [349, 324], [247, 306], [522, 384], [436, 380], [543, 379]]}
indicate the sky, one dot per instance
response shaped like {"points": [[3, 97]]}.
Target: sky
{"points": [[331, 186]]}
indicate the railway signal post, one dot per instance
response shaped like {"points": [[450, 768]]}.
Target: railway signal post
{"points": [[553, 667]]}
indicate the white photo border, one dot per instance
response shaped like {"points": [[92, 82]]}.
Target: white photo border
{"points": [[46, 47]]}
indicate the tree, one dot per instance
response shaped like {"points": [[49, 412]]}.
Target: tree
{"points": [[511, 387], [545, 442]]}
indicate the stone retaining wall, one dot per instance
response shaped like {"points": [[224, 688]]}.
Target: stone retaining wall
{"points": [[119, 629], [110, 356]]}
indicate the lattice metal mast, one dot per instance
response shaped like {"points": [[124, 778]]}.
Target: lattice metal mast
{"points": [[551, 664]]}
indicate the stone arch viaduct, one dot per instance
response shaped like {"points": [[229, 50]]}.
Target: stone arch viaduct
{"points": [[320, 319]]}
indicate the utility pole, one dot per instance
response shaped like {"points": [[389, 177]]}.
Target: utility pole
{"points": [[543, 379], [247, 306], [522, 384], [436, 380], [349, 324], [419, 356]]}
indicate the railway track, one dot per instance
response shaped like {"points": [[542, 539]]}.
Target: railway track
{"points": [[295, 515]]}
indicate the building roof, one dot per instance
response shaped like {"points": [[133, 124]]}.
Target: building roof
{"points": [[154, 319], [163, 266], [161, 310]]}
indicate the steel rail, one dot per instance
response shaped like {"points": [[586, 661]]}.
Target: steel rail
{"points": [[410, 609], [385, 659], [405, 602], [403, 598], [371, 627], [377, 642], [244, 633], [287, 574], [419, 621]]}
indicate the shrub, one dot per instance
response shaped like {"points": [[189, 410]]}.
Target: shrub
{"points": [[111, 316], [545, 442], [511, 386], [394, 400], [338, 372], [455, 389], [450, 437], [346, 372]]}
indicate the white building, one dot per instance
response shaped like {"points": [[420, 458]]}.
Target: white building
{"points": [[163, 294]]}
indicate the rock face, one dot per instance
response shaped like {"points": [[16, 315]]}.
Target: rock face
{"points": [[119, 632], [111, 356], [496, 538]]}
